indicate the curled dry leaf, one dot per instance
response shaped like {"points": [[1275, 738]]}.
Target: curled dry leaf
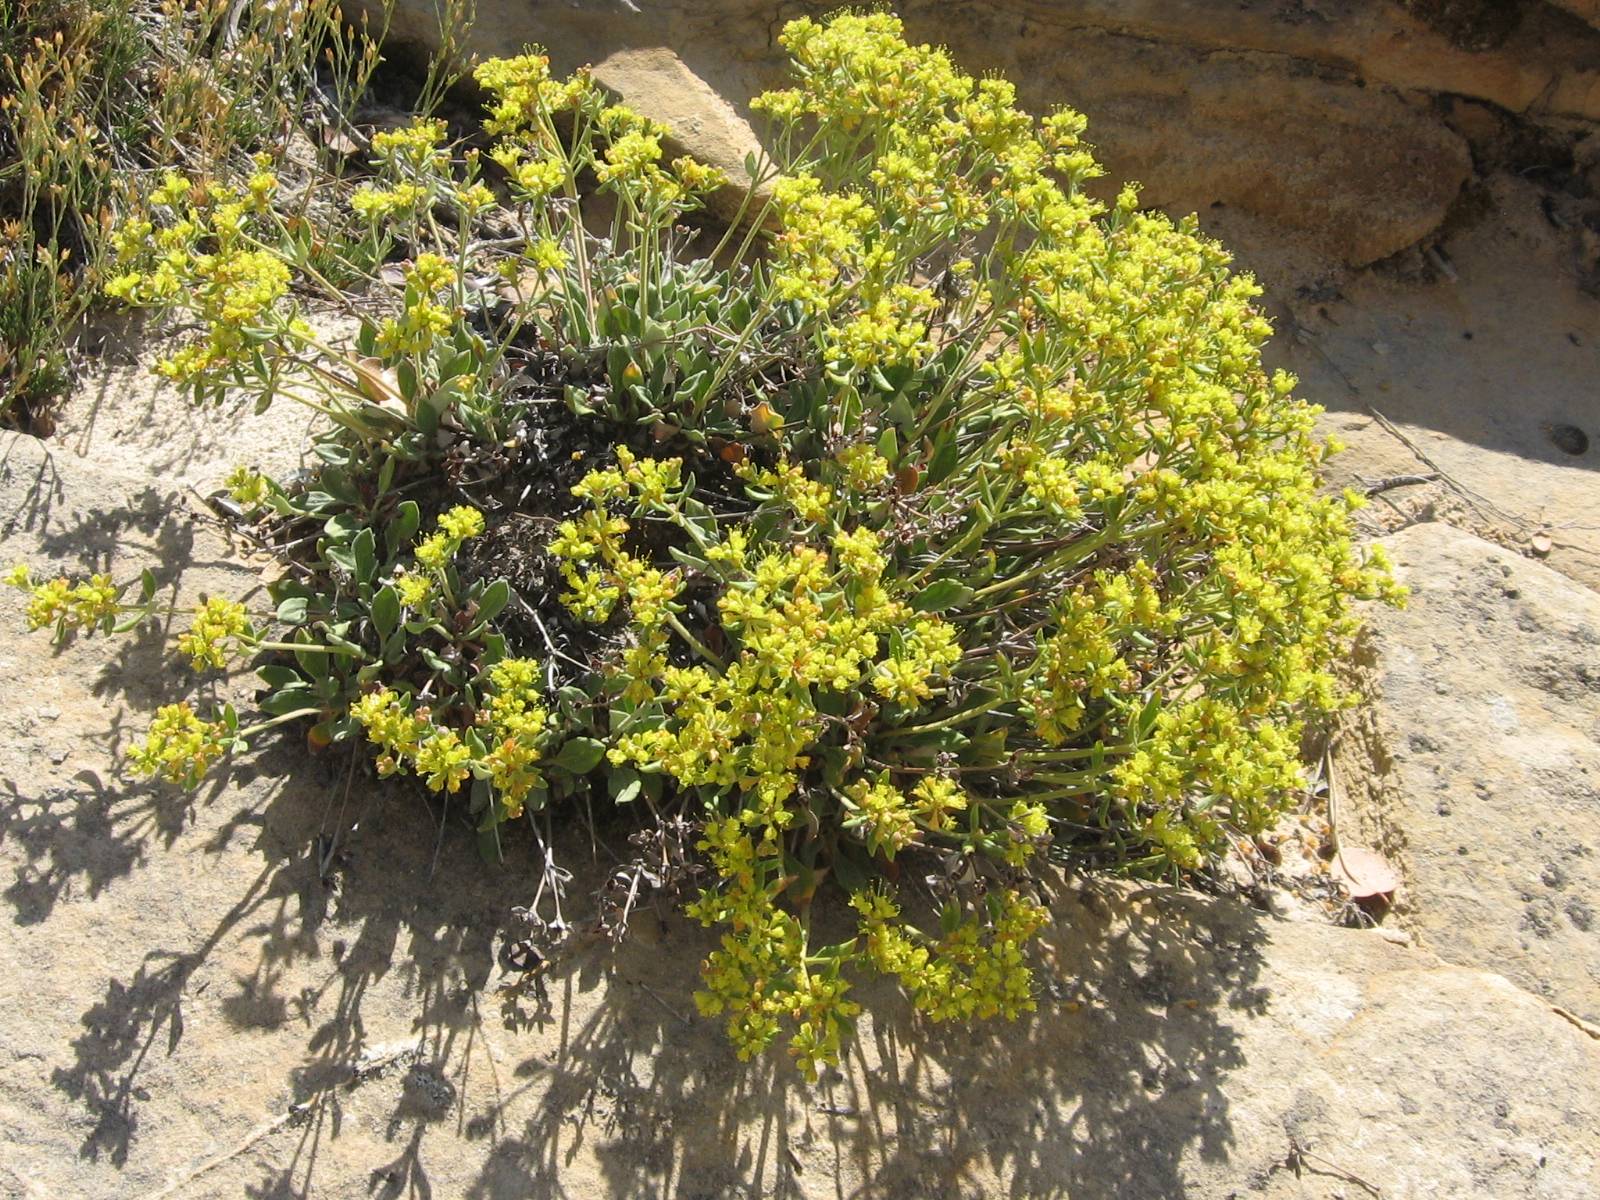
{"points": [[378, 383], [339, 142], [1364, 873]]}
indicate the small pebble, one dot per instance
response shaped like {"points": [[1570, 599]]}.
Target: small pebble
{"points": [[1569, 439]]}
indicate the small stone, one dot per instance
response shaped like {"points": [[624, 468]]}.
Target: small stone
{"points": [[428, 1089]]}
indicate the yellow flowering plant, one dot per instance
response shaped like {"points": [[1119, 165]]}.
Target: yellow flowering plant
{"points": [[941, 514]]}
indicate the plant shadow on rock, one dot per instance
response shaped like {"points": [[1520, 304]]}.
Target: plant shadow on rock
{"points": [[1101, 1095], [92, 830], [1103, 1092]]}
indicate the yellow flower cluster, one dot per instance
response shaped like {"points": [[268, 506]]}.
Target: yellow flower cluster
{"points": [[248, 487], [415, 146], [423, 319], [533, 179], [762, 975], [64, 604], [215, 623], [409, 740], [504, 748], [180, 747], [233, 289], [525, 96], [515, 720], [455, 526], [376, 202], [976, 969]]}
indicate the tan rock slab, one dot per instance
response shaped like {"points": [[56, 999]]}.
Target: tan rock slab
{"points": [[191, 1006], [1478, 767], [703, 125]]}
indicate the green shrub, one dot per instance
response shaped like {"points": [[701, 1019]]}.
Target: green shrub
{"points": [[955, 519], [97, 94]]}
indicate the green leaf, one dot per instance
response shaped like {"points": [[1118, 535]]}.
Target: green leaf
{"points": [[287, 700], [850, 873], [343, 527], [579, 756], [342, 558], [128, 624], [293, 610], [147, 584], [945, 459], [1146, 720], [433, 406], [900, 410], [386, 611], [316, 501], [365, 552], [690, 560], [407, 520], [624, 785], [280, 677], [494, 600], [942, 595], [489, 845], [313, 662]]}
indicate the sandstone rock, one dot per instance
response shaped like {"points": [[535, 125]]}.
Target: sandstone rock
{"points": [[123, 412], [704, 125], [1378, 41], [1484, 748], [1584, 10], [1356, 171], [199, 1001], [1300, 112]]}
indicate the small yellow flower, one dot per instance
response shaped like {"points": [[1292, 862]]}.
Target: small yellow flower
{"points": [[215, 622], [180, 747], [247, 486]]}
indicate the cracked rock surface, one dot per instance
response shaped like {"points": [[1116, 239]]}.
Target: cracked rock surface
{"points": [[1484, 753]]}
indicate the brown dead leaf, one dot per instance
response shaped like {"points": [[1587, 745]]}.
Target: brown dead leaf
{"points": [[378, 383], [339, 142], [1364, 873], [529, 283]]}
